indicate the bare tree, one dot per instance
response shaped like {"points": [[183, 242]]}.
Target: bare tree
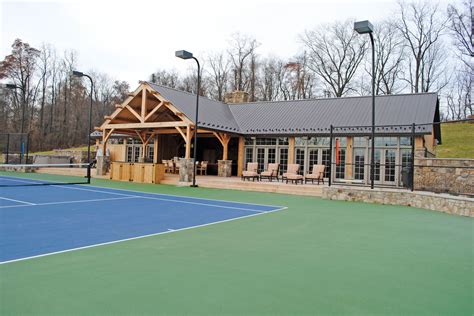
{"points": [[389, 57], [218, 75], [169, 78], [422, 27], [242, 55], [335, 53], [458, 98], [460, 24]]}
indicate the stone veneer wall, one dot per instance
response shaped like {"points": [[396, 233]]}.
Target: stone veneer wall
{"points": [[444, 175], [456, 205]]}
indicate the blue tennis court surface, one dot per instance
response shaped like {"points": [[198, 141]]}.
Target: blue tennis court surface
{"points": [[40, 220]]}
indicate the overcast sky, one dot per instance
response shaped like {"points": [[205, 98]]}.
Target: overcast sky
{"points": [[130, 39]]}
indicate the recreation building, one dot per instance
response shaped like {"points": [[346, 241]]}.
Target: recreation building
{"points": [[156, 124]]}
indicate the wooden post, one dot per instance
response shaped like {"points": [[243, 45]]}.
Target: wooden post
{"points": [[349, 166], [155, 149], [188, 142], [224, 140], [240, 159], [291, 150]]}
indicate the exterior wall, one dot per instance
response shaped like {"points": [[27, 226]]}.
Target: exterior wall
{"points": [[463, 206], [455, 176], [117, 152]]}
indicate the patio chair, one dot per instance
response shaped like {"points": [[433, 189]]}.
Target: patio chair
{"points": [[271, 172], [251, 172], [292, 174], [316, 174], [202, 167], [167, 167]]}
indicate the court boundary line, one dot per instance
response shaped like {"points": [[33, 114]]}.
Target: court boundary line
{"points": [[141, 237], [153, 193], [70, 202], [18, 201]]}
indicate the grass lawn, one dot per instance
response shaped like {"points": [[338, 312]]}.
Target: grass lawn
{"points": [[316, 257], [457, 141]]}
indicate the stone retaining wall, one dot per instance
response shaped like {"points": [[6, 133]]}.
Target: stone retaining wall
{"points": [[455, 176], [446, 203]]}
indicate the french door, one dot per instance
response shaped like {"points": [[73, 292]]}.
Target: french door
{"points": [[265, 156]]}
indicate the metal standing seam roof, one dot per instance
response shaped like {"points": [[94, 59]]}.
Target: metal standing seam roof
{"points": [[309, 116]]}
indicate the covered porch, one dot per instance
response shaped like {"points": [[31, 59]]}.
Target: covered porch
{"points": [[154, 131]]}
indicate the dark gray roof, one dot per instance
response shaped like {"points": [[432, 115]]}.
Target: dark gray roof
{"points": [[213, 115], [311, 116], [314, 116]]}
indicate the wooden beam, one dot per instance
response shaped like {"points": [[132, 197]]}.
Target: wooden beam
{"points": [[117, 106], [143, 105], [153, 111], [224, 139], [128, 107], [188, 142], [182, 134], [107, 136], [155, 149], [240, 159], [145, 125], [107, 117]]}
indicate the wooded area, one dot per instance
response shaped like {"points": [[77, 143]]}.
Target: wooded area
{"points": [[423, 48]]}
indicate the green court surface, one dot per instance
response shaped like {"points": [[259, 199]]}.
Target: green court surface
{"points": [[316, 257]]}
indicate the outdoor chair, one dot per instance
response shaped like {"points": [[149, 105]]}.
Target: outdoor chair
{"points": [[271, 172], [316, 174], [167, 168], [292, 174], [251, 172], [202, 167]]}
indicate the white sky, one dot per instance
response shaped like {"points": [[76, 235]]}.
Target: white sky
{"points": [[129, 40]]}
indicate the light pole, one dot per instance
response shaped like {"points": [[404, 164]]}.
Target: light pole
{"points": [[13, 86], [364, 27], [80, 75], [187, 55]]}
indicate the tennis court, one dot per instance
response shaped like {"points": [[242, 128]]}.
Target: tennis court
{"points": [[314, 257], [46, 219]]}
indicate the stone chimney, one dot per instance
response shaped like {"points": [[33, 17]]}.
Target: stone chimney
{"points": [[236, 97]]}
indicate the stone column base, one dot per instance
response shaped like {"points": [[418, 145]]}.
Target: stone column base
{"points": [[186, 170], [101, 166], [224, 168]]}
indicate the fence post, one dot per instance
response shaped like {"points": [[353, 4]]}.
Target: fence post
{"points": [[27, 146], [330, 155], [412, 167], [8, 148]]}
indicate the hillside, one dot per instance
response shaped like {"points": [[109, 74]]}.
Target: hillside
{"points": [[457, 141]]}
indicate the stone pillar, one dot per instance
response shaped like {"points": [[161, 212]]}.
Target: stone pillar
{"points": [[224, 168], [186, 170], [101, 166]]}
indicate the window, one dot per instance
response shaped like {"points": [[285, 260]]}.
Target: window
{"points": [[261, 158], [249, 141], [312, 158], [390, 165], [341, 167], [300, 157], [405, 141], [300, 141], [248, 155], [359, 161], [326, 160], [360, 141], [283, 159], [385, 141], [266, 141], [283, 141]]}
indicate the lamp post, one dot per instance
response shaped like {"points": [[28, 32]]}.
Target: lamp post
{"points": [[365, 27], [13, 86], [187, 55], [80, 75]]}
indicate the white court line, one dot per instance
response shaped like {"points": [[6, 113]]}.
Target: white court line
{"points": [[18, 201], [140, 237], [70, 202], [163, 199], [152, 193]]}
